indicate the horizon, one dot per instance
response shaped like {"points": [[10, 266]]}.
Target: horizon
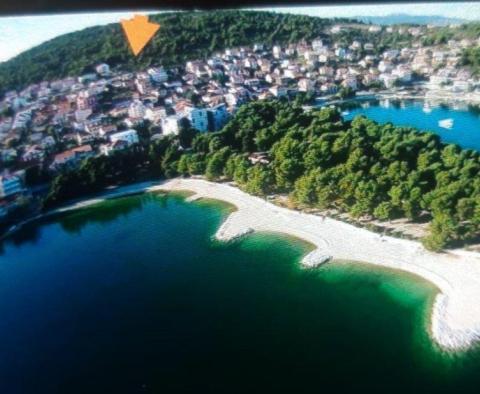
{"points": [[19, 34]]}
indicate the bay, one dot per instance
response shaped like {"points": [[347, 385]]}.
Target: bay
{"points": [[133, 295]]}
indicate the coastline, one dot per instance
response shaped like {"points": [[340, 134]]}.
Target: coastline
{"points": [[436, 95], [455, 317]]}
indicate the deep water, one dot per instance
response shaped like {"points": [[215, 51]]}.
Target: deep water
{"points": [[133, 296]]}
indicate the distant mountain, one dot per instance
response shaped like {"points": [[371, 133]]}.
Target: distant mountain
{"points": [[398, 19]]}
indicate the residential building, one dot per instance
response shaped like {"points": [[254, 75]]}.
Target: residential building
{"points": [[198, 117], [158, 74], [143, 83], [85, 100], [71, 157], [108, 149], [103, 69], [306, 85], [10, 185], [171, 124], [129, 136], [278, 91], [219, 115], [136, 110], [155, 114]]}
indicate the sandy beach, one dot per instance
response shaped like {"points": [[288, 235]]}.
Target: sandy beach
{"points": [[455, 319]]}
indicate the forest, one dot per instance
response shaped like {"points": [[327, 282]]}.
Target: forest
{"points": [[320, 160], [471, 58]]}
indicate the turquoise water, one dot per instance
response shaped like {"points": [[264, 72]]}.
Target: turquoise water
{"points": [[465, 130], [134, 296]]}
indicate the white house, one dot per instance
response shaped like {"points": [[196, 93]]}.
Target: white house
{"points": [[21, 119], [277, 52], [391, 54], [143, 83], [385, 66], [87, 78], [136, 109], [461, 86], [317, 44], [129, 136], [306, 85], [107, 149], [403, 73], [388, 80], [85, 100], [102, 69], [438, 80], [82, 115], [350, 81], [155, 114], [171, 124], [278, 91]]}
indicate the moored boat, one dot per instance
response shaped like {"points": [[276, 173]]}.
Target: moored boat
{"points": [[446, 123]]}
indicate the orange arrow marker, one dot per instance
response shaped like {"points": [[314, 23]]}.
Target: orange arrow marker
{"points": [[139, 32]]}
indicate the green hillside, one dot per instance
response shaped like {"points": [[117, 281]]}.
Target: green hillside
{"points": [[181, 36]]}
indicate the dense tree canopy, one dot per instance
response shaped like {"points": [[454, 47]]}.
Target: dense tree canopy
{"points": [[359, 167], [471, 58]]}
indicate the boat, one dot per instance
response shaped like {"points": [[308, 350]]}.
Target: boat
{"points": [[345, 113], [365, 105], [426, 109], [446, 123], [385, 103]]}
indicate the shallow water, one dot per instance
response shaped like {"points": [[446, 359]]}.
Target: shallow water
{"points": [[134, 296]]}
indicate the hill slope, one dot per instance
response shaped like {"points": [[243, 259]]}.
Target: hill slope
{"points": [[181, 36]]}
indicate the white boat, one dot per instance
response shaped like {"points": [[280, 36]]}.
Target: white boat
{"points": [[345, 113], [446, 123], [426, 109]]}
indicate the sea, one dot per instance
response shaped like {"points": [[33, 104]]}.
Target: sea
{"points": [[134, 295]]}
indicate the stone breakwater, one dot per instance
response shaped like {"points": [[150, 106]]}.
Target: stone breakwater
{"points": [[455, 319]]}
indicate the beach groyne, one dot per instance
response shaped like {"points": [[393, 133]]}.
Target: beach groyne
{"points": [[455, 318]]}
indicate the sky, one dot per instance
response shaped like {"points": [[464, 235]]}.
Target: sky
{"points": [[18, 34]]}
